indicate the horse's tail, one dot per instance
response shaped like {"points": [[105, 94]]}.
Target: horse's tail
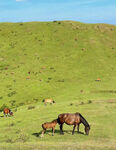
{"points": [[43, 100], [43, 126]]}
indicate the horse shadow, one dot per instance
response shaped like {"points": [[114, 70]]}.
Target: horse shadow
{"points": [[5, 116], [1, 116], [37, 134], [49, 132], [80, 132]]}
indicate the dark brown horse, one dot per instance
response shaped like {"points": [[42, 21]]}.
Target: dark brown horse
{"points": [[73, 119], [7, 112]]}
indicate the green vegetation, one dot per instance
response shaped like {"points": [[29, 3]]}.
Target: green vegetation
{"points": [[64, 61]]}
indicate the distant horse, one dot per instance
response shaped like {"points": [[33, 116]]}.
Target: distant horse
{"points": [[73, 119], [48, 100], [7, 112], [47, 125]]}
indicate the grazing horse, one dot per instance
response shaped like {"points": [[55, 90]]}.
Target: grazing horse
{"points": [[47, 125], [51, 101], [73, 119], [7, 111]]}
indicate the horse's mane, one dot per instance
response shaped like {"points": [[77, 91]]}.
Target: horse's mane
{"points": [[55, 120], [83, 120]]}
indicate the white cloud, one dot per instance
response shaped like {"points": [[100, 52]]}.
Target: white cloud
{"points": [[19, 0]]}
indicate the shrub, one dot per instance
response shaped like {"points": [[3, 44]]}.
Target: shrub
{"points": [[12, 93], [71, 104], [31, 107], [81, 103], [59, 22], [18, 131], [89, 102], [51, 68], [15, 110], [13, 102], [1, 97], [21, 24], [23, 138], [9, 86], [49, 78], [61, 80], [9, 140], [12, 124], [35, 99], [21, 104]]}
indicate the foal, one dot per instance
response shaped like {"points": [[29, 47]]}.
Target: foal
{"points": [[47, 125]]}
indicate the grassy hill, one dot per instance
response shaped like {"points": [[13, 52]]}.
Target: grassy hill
{"points": [[60, 60]]}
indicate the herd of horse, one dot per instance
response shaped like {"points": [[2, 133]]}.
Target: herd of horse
{"points": [[70, 119], [74, 119]]}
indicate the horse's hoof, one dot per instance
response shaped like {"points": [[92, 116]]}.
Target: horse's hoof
{"points": [[62, 133], [41, 136]]}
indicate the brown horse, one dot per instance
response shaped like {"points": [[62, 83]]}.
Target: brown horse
{"points": [[47, 125], [73, 119], [7, 112]]}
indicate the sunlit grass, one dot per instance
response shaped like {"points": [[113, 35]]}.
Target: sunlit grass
{"points": [[59, 60]]}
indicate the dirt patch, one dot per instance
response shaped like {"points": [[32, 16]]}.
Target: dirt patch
{"points": [[104, 91], [105, 101], [111, 101]]}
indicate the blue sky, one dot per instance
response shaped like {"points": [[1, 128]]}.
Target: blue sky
{"points": [[88, 11]]}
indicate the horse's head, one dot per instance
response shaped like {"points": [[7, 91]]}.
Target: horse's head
{"points": [[87, 128], [11, 113]]}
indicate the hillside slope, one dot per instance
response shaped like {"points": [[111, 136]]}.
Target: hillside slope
{"points": [[61, 60]]}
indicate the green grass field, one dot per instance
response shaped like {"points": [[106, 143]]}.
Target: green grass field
{"points": [[60, 60]]}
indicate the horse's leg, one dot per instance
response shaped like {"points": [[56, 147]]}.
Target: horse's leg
{"points": [[73, 129], [61, 129], [4, 115], [53, 131], [44, 130], [78, 128]]}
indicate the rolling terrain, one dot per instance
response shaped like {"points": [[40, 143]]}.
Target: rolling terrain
{"points": [[73, 63]]}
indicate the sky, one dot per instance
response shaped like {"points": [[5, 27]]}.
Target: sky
{"points": [[87, 11]]}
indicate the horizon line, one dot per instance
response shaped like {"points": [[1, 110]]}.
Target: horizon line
{"points": [[58, 21]]}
